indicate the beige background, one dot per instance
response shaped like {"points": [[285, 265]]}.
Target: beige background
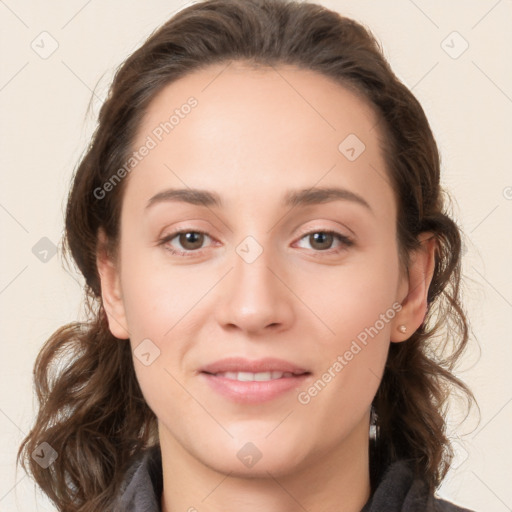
{"points": [[45, 125]]}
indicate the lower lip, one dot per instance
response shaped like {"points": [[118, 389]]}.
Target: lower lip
{"points": [[253, 392]]}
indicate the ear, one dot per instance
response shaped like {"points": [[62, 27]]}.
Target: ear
{"points": [[111, 293], [417, 283]]}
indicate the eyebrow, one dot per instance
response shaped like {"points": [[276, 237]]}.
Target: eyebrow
{"points": [[293, 198]]}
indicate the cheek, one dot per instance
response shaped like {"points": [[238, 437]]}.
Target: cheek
{"points": [[155, 295], [359, 306], [158, 303], [352, 298], [360, 313]]}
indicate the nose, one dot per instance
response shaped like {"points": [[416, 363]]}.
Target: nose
{"points": [[255, 296]]}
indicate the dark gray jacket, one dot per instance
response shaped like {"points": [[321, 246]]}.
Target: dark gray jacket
{"points": [[397, 491]]}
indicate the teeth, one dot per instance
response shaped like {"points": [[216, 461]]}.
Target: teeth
{"points": [[250, 376]]}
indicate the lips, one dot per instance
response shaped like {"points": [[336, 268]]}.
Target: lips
{"points": [[258, 376], [250, 382], [237, 364]]}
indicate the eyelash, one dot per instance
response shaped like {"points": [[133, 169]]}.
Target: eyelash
{"points": [[345, 240]]}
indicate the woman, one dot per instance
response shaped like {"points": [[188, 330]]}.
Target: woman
{"points": [[260, 225]]}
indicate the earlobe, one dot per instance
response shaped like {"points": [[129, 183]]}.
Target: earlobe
{"points": [[415, 305], [111, 294]]}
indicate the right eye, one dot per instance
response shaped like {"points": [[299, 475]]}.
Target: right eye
{"points": [[190, 240]]}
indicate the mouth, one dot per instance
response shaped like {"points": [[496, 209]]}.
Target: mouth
{"points": [[251, 376], [250, 382]]}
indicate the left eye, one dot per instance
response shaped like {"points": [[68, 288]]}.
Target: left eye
{"points": [[191, 241], [326, 238]]}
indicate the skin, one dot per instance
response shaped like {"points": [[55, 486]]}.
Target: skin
{"points": [[256, 134]]}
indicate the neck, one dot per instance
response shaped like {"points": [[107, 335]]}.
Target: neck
{"points": [[336, 481]]}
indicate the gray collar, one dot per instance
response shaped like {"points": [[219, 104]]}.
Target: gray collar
{"points": [[142, 487]]}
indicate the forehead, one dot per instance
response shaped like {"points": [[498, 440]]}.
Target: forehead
{"points": [[257, 131], [261, 101]]}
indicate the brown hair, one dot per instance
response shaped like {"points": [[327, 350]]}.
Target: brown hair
{"points": [[91, 410]]}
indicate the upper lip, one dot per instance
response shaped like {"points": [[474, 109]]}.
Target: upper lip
{"points": [[239, 364]]}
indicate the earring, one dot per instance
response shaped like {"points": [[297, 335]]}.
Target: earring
{"points": [[374, 427], [402, 328]]}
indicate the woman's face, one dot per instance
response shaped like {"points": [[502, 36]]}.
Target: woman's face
{"points": [[259, 288]]}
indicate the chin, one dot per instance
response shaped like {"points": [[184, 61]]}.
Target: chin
{"points": [[255, 456]]}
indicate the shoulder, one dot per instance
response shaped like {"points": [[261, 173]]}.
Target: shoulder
{"points": [[441, 505], [400, 489]]}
